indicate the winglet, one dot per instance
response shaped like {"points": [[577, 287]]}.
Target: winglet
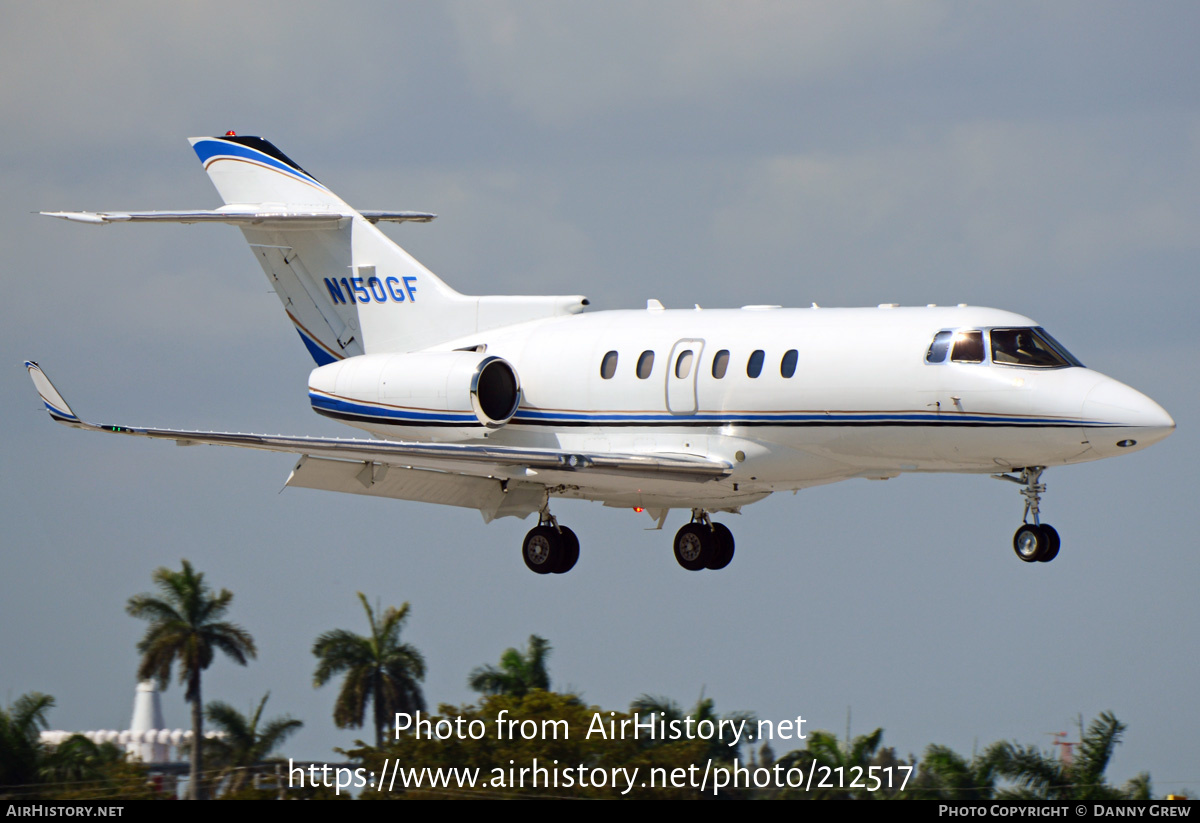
{"points": [[55, 404]]}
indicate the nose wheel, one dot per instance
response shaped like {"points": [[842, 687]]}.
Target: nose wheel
{"points": [[1035, 542], [703, 544]]}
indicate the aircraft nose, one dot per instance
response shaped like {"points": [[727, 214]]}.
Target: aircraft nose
{"points": [[1123, 407]]}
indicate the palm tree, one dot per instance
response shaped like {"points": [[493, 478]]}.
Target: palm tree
{"points": [[947, 775], [722, 745], [379, 670], [21, 749], [78, 760], [186, 626], [518, 673], [1044, 777], [243, 746], [826, 754]]}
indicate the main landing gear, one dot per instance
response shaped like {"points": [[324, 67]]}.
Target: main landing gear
{"points": [[703, 544], [553, 549], [1035, 542], [550, 548]]}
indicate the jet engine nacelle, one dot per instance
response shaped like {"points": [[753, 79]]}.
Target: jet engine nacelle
{"points": [[449, 388]]}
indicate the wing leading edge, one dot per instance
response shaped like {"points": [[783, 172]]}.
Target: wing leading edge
{"points": [[476, 476]]}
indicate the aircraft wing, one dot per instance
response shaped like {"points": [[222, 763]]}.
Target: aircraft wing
{"points": [[435, 465]]}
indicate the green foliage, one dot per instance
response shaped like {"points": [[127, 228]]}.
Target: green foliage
{"points": [[79, 769], [1040, 776], [21, 750], [720, 747], [244, 748], [518, 674], [76, 769], [846, 766], [379, 669], [79, 759], [186, 628], [499, 755], [946, 775]]}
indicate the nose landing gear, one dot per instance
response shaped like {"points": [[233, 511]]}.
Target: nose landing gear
{"points": [[1034, 542], [703, 544]]}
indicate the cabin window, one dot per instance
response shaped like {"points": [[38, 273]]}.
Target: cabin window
{"points": [[720, 363], [1026, 347], [645, 365], [683, 364], [608, 366], [755, 364], [787, 366], [939, 348], [968, 347]]}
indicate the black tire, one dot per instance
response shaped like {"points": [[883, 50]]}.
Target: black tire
{"points": [[542, 549], [570, 551], [723, 553], [1030, 543], [695, 544], [1052, 544]]}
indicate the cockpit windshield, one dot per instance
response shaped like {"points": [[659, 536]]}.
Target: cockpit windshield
{"points": [[1029, 347]]}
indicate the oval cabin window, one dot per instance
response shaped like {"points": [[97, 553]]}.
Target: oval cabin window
{"points": [[754, 366], [608, 366], [720, 363], [645, 365]]}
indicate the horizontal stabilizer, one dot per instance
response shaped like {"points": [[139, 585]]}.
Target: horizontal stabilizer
{"points": [[241, 216]]}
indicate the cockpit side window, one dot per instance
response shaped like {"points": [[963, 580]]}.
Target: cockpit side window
{"points": [[1058, 347], [968, 347], [939, 348], [1027, 347]]}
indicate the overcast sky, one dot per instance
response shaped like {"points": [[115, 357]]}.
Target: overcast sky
{"points": [[1042, 158]]}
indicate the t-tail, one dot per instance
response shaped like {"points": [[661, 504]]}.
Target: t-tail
{"points": [[344, 284]]}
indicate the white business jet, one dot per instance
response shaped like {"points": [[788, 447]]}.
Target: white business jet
{"points": [[502, 403]]}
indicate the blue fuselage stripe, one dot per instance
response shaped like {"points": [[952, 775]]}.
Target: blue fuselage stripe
{"points": [[338, 407]]}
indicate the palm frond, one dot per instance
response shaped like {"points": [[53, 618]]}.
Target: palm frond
{"points": [[378, 669]]}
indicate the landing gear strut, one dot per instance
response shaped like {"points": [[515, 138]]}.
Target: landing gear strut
{"points": [[1035, 542], [550, 548], [703, 544]]}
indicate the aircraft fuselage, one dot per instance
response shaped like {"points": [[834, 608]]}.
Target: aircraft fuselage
{"points": [[789, 398]]}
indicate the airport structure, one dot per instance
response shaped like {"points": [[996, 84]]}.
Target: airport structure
{"points": [[147, 739]]}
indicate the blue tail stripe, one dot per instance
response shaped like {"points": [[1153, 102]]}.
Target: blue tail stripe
{"points": [[319, 354], [208, 149]]}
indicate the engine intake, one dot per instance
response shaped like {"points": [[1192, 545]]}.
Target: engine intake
{"points": [[442, 389]]}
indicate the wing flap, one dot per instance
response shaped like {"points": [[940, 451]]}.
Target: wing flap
{"points": [[493, 498]]}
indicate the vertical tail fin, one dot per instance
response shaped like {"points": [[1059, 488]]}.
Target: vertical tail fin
{"points": [[346, 287], [252, 170]]}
